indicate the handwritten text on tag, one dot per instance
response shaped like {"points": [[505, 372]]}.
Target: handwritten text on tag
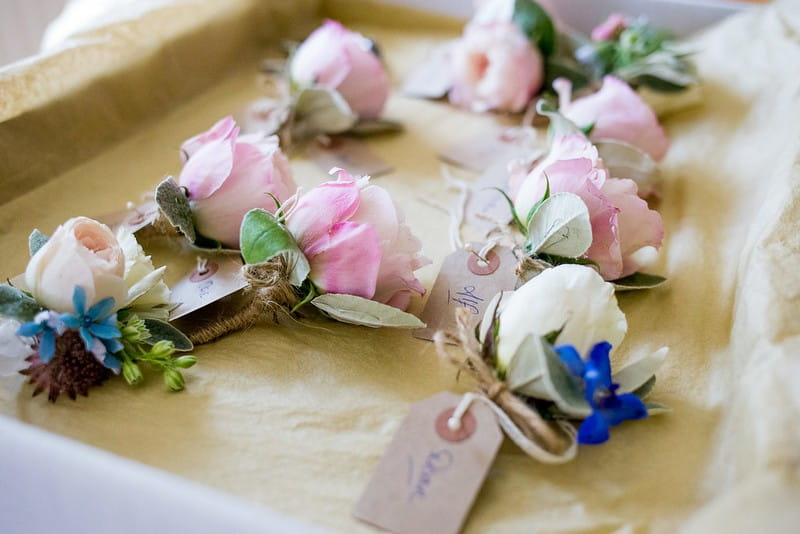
{"points": [[220, 276], [430, 474], [465, 281]]}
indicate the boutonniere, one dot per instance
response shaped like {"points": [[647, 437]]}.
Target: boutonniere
{"points": [[92, 305], [342, 247], [224, 176], [498, 64], [333, 83], [542, 359]]}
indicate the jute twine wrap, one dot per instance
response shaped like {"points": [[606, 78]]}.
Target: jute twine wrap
{"points": [[547, 441], [270, 294]]}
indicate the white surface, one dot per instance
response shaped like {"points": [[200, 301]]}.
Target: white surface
{"points": [[51, 484]]}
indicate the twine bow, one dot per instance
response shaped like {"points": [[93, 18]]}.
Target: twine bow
{"points": [[547, 441], [270, 294]]}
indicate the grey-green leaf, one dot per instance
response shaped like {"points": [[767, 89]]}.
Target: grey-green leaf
{"points": [[655, 408], [36, 241], [173, 203], [645, 389], [161, 330], [262, 238], [360, 311], [17, 304], [322, 111], [559, 124], [375, 127], [555, 382], [561, 227], [635, 375], [623, 159], [638, 281]]}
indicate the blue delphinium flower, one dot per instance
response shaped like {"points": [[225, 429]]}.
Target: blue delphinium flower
{"points": [[97, 327], [608, 408], [46, 325]]}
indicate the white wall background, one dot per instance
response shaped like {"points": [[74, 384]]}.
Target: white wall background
{"points": [[22, 23]]}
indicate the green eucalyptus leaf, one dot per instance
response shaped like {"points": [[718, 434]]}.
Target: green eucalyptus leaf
{"points": [[322, 111], [623, 159], [637, 281], [36, 241], [360, 311], [536, 24], [655, 408], [645, 389], [17, 304], [635, 375], [560, 227], [375, 127], [559, 124], [549, 378], [172, 201], [263, 238], [163, 331]]}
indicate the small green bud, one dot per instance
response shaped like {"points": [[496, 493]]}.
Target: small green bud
{"points": [[173, 380], [131, 373], [184, 362], [134, 330], [162, 349]]}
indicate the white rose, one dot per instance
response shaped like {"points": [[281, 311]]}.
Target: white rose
{"points": [[570, 296], [144, 283], [13, 348], [81, 252]]}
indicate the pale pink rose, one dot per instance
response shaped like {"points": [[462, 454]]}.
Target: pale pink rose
{"points": [[81, 252], [611, 27], [227, 175], [495, 67], [334, 57], [622, 223], [357, 242], [617, 112]]}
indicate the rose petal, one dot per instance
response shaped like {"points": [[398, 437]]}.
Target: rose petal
{"points": [[348, 261], [319, 209], [224, 129], [207, 169]]}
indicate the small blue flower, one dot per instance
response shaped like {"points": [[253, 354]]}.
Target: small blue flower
{"points": [[97, 327], [46, 325], [608, 408]]}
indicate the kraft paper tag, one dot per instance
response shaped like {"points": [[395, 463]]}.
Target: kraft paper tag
{"points": [[466, 282], [432, 78], [220, 276], [430, 474], [486, 207], [134, 219], [350, 154], [479, 152]]}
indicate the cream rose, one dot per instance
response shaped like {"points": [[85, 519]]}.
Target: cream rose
{"points": [[147, 292], [81, 252], [572, 297]]}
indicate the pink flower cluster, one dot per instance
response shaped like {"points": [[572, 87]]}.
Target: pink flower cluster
{"points": [[622, 223]]}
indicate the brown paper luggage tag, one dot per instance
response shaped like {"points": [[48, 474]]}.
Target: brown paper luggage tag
{"points": [[486, 207], [431, 474], [465, 281], [134, 218], [479, 152], [347, 153], [216, 276]]}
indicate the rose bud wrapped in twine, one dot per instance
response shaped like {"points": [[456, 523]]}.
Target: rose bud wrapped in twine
{"points": [[528, 366], [342, 247]]}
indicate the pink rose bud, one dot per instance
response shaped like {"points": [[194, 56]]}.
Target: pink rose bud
{"points": [[81, 252], [617, 112], [334, 57], [495, 67], [622, 223], [357, 242], [610, 29], [227, 175]]}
